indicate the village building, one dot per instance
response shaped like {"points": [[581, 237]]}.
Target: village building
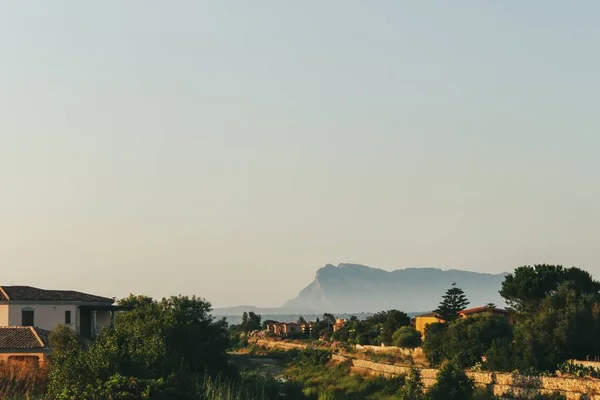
{"points": [[339, 324], [28, 314], [285, 328], [421, 321]]}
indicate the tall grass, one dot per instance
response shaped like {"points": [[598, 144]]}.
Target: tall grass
{"points": [[220, 388], [23, 380]]}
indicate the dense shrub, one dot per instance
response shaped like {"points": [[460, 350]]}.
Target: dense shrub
{"points": [[452, 384], [159, 350], [407, 337], [413, 387]]}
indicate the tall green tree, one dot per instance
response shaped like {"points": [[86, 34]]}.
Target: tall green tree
{"points": [[468, 339], [452, 303], [562, 327], [434, 345], [413, 388], [251, 322], [528, 286], [329, 319], [385, 323]]}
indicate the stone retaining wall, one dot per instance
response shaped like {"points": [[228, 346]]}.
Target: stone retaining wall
{"points": [[506, 385]]}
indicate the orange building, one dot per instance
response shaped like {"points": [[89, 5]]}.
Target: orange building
{"points": [[339, 324], [421, 321], [285, 328]]}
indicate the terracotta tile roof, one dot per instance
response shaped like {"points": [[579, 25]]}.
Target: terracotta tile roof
{"points": [[34, 294], [23, 337]]}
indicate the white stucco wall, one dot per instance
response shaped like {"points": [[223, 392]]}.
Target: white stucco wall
{"points": [[44, 316], [4, 315]]}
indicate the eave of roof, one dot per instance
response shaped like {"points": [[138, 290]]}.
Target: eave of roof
{"points": [[29, 293]]}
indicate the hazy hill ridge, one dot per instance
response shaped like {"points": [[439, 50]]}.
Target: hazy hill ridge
{"points": [[358, 288]]}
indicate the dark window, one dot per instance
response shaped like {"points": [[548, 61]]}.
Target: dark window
{"points": [[27, 317], [67, 317]]}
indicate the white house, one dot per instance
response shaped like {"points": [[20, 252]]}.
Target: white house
{"points": [[85, 313]]}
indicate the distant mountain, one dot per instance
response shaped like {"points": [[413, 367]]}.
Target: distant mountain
{"points": [[357, 288]]}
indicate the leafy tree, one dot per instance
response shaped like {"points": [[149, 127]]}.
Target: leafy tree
{"points": [[329, 319], [250, 322], [160, 350], [562, 327], [453, 302], [386, 323], [434, 345], [413, 388], [452, 384], [501, 356], [367, 338], [466, 340], [301, 320], [342, 335], [72, 375], [316, 329], [407, 337], [527, 286], [134, 300]]}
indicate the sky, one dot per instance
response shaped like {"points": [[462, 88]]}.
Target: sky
{"points": [[228, 149]]}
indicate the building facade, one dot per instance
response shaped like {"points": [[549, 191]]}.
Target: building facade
{"points": [[27, 306]]}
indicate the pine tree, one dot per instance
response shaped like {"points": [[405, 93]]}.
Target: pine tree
{"points": [[453, 302]]}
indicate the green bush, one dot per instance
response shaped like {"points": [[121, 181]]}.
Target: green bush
{"points": [[413, 387], [452, 384], [407, 337], [313, 356]]}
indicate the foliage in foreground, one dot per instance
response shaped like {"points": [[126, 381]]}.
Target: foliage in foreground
{"points": [[161, 350], [321, 379], [22, 380], [452, 384]]}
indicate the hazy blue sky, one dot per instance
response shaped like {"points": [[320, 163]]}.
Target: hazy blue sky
{"points": [[229, 149]]}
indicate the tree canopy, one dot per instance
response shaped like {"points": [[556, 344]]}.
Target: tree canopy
{"points": [[527, 286], [407, 337], [251, 322], [153, 352]]}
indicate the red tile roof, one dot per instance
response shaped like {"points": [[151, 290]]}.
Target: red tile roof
{"points": [[23, 337]]}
